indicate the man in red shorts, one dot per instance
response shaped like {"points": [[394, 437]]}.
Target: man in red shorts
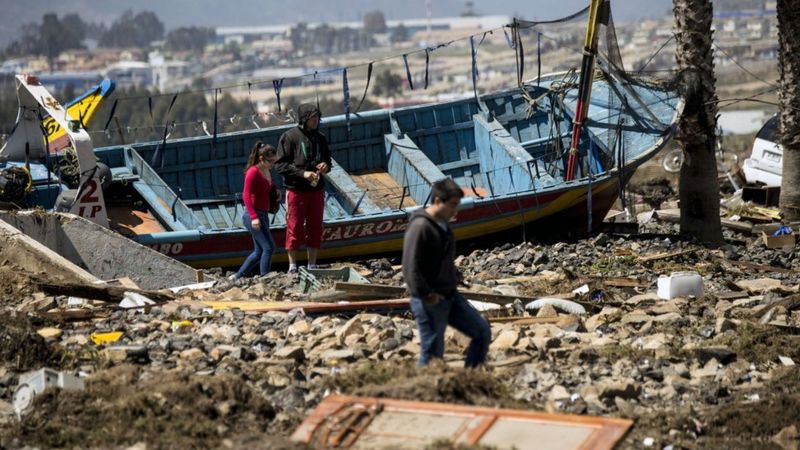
{"points": [[303, 156]]}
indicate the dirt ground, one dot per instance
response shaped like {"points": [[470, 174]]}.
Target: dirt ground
{"points": [[436, 382], [15, 284], [176, 410], [20, 347], [736, 425]]}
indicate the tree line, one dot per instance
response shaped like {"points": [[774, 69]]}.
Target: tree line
{"points": [[54, 35]]}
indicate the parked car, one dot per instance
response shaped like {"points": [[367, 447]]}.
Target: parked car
{"points": [[765, 164]]}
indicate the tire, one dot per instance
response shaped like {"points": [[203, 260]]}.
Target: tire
{"points": [[673, 161]]}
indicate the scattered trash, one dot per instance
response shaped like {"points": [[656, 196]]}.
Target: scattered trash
{"points": [[34, 383], [311, 280], [180, 326], [135, 300], [782, 231], [49, 332], [105, 338], [778, 236], [76, 301], [560, 303], [130, 353], [581, 290], [646, 217], [484, 306], [786, 361], [680, 284], [194, 287]]}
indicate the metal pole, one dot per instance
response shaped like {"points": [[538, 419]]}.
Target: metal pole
{"points": [[585, 86]]}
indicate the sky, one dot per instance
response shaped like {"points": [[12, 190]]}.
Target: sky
{"points": [[175, 13]]}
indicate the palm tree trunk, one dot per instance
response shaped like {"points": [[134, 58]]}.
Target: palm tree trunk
{"points": [[699, 186], [789, 95]]}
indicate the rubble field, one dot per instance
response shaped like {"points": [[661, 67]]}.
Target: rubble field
{"points": [[710, 371]]}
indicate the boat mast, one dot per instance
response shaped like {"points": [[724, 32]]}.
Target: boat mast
{"points": [[585, 86]]}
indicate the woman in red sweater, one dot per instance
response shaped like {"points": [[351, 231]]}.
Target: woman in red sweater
{"points": [[257, 184]]}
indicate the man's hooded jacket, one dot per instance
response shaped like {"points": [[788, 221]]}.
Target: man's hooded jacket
{"points": [[300, 150]]}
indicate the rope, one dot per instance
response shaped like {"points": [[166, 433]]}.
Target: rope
{"points": [[742, 67]]}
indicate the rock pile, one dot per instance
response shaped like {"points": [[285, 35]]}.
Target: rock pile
{"points": [[714, 371]]}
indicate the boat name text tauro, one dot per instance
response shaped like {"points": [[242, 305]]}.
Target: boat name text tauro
{"points": [[332, 233], [364, 229]]}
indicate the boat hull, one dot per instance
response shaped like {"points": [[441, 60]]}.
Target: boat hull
{"points": [[542, 216], [505, 153]]}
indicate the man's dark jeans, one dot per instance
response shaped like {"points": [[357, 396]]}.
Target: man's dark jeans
{"points": [[432, 319]]}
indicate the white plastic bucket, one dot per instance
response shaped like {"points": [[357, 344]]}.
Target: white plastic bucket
{"points": [[680, 284]]}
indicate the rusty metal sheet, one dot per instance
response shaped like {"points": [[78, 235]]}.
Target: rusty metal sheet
{"points": [[372, 423]]}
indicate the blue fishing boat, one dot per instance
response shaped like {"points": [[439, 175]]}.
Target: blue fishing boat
{"points": [[507, 150]]}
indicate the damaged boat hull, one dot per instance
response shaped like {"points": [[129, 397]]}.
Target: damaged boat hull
{"points": [[542, 216]]}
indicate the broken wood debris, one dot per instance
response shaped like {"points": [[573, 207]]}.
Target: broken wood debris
{"points": [[99, 292], [667, 255], [622, 282], [70, 315], [760, 267], [310, 307], [364, 422], [357, 290], [674, 216], [521, 320]]}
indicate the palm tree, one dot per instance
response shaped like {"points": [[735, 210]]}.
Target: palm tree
{"points": [[789, 95], [699, 186]]}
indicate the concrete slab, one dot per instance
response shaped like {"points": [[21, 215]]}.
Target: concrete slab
{"points": [[99, 251]]}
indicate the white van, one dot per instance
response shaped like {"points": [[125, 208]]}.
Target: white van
{"points": [[765, 164]]}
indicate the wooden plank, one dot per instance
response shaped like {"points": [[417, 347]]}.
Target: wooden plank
{"points": [[376, 290], [771, 227], [124, 282], [510, 362], [102, 293], [528, 279], [667, 255], [310, 307], [732, 295], [771, 213], [382, 189], [71, 315], [518, 320], [385, 291], [759, 267], [623, 282], [674, 216]]}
